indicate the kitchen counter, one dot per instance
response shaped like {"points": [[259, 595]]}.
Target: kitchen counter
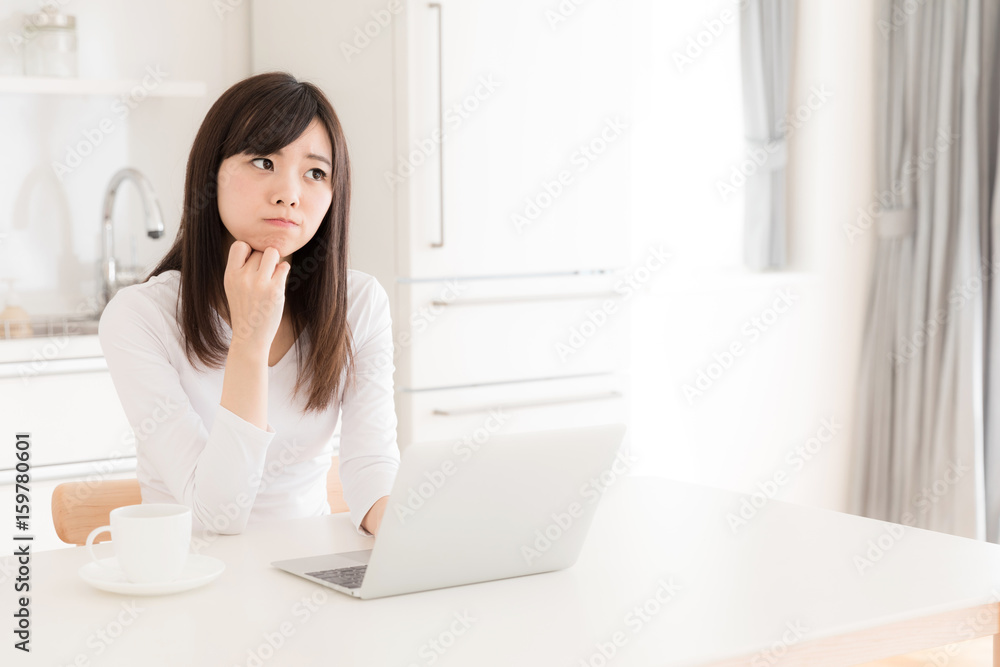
{"points": [[47, 348], [61, 393]]}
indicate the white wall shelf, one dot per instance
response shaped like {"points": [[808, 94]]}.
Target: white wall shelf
{"points": [[57, 86]]}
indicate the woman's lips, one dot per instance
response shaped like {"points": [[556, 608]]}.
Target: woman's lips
{"points": [[280, 222]]}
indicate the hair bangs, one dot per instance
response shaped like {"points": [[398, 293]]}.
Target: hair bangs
{"points": [[271, 123]]}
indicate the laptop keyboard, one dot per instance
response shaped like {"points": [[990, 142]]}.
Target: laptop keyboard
{"points": [[348, 577]]}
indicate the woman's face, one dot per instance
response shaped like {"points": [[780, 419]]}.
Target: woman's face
{"points": [[293, 184]]}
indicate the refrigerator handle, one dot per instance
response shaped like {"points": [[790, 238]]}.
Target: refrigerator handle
{"points": [[522, 299], [528, 404], [440, 244]]}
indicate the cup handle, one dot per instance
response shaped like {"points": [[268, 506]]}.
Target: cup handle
{"points": [[90, 542]]}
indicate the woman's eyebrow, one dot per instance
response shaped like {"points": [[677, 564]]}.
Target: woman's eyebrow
{"points": [[314, 156], [320, 158]]}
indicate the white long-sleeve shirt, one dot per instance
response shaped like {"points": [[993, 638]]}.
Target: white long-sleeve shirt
{"points": [[191, 450]]}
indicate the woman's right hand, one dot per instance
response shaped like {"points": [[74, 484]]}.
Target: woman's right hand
{"points": [[255, 288]]}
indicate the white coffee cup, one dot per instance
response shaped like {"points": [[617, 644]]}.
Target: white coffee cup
{"points": [[151, 541]]}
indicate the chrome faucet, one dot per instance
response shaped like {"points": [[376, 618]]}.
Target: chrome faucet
{"points": [[114, 278]]}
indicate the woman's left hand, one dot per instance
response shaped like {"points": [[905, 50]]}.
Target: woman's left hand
{"points": [[373, 519]]}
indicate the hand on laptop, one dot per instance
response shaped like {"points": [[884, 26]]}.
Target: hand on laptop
{"points": [[373, 519]]}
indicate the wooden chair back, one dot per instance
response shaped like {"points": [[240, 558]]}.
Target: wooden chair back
{"points": [[79, 507]]}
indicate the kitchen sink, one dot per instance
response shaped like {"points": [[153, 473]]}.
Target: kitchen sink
{"points": [[53, 325]]}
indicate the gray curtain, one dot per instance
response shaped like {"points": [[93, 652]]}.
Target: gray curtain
{"points": [[766, 28], [990, 233], [922, 431]]}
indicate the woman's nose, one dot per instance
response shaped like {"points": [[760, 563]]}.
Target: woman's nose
{"points": [[286, 191]]}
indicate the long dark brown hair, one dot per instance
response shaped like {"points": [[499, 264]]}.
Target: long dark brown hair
{"points": [[261, 115]]}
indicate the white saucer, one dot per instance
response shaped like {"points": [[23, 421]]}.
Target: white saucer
{"points": [[198, 570]]}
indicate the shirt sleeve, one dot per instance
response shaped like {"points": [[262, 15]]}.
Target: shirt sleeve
{"points": [[369, 454], [216, 473]]}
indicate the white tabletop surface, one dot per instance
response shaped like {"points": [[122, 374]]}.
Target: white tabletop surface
{"points": [[791, 572]]}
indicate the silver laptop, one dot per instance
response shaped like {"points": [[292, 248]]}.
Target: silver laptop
{"points": [[462, 513]]}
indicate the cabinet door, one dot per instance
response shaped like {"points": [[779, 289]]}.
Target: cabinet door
{"points": [[72, 416], [468, 332], [466, 414], [533, 108]]}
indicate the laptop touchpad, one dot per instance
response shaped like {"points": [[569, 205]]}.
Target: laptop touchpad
{"points": [[357, 556]]}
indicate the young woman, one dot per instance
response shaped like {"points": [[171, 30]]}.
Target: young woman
{"points": [[234, 357]]}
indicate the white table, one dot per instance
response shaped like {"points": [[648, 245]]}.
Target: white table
{"points": [[787, 582]]}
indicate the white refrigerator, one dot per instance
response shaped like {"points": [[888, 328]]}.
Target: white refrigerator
{"points": [[490, 151]]}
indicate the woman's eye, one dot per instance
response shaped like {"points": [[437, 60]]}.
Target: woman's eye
{"points": [[322, 174], [262, 159]]}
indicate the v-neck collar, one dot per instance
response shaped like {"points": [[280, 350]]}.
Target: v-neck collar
{"points": [[288, 353]]}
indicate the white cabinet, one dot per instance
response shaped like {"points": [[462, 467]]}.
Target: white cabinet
{"points": [[473, 414], [72, 416], [60, 391], [534, 119], [471, 332]]}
